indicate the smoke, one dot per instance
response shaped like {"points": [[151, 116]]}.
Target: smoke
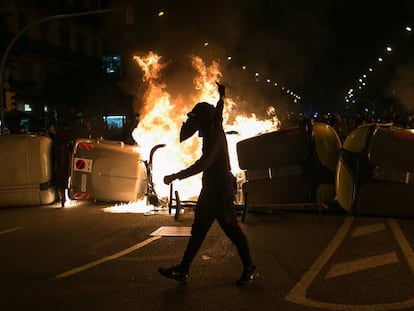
{"points": [[402, 86], [283, 41]]}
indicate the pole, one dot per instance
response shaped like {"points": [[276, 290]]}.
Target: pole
{"points": [[19, 34]]}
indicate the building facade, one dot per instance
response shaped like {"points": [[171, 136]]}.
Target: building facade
{"points": [[57, 71]]}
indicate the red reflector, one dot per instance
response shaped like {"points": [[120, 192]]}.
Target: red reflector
{"points": [[85, 146], [81, 195], [404, 134]]}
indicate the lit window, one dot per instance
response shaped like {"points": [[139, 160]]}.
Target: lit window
{"points": [[111, 63]]}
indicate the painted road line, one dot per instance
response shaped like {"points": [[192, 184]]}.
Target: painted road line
{"points": [[364, 230], [361, 264], [10, 230], [108, 258], [403, 243], [172, 231], [298, 293]]}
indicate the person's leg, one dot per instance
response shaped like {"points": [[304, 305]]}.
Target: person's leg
{"points": [[204, 217], [228, 222]]}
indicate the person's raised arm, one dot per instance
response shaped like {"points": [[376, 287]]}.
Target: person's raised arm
{"points": [[220, 103]]}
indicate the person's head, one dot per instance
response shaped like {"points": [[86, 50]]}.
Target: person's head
{"points": [[201, 119], [51, 129], [338, 117]]}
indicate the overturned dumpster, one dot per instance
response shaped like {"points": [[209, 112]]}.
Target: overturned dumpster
{"points": [[26, 177], [375, 173], [105, 170], [290, 167]]}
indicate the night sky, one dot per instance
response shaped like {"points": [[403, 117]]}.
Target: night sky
{"points": [[316, 48]]}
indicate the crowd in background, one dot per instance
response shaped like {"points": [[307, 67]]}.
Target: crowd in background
{"points": [[344, 125], [341, 122]]}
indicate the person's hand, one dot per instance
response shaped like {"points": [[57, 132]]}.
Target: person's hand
{"points": [[168, 179], [221, 89]]}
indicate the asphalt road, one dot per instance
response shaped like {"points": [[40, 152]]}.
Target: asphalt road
{"points": [[83, 258]]}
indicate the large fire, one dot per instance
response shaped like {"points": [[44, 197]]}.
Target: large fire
{"points": [[162, 117]]}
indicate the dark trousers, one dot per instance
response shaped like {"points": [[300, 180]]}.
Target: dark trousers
{"points": [[213, 205]]}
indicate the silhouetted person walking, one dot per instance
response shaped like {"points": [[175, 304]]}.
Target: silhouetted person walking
{"points": [[217, 194]]}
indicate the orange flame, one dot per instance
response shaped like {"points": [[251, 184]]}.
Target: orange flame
{"points": [[161, 122]]}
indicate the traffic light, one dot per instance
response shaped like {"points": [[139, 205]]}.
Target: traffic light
{"points": [[10, 101]]}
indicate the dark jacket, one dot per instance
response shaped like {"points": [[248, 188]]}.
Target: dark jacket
{"points": [[214, 161]]}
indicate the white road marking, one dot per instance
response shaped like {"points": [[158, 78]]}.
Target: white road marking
{"points": [[298, 293], [361, 264], [10, 230], [172, 231], [364, 230], [403, 243], [108, 258]]}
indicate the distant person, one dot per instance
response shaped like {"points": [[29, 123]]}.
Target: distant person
{"points": [[60, 161], [409, 124], [6, 131], [51, 131], [217, 194], [358, 120], [341, 126], [324, 118]]}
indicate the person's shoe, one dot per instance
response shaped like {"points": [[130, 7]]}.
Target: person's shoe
{"points": [[175, 273], [248, 276]]}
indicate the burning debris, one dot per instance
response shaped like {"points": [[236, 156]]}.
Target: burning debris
{"points": [[162, 116]]}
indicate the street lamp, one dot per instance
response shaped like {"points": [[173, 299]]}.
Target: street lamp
{"points": [[129, 20]]}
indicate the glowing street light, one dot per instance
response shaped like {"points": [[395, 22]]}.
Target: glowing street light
{"points": [[389, 49], [408, 28]]}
